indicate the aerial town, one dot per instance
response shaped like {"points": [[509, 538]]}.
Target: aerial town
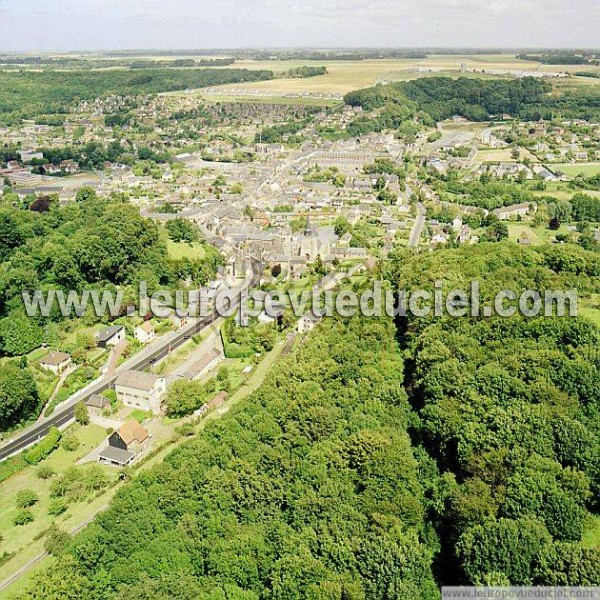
{"points": [[434, 169]]}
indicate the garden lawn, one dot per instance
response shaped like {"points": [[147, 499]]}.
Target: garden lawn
{"points": [[179, 250], [515, 232], [18, 537], [585, 169]]}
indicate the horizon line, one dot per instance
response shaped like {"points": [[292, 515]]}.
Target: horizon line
{"points": [[223, 49]]}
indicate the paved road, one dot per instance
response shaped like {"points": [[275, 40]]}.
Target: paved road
{"points": [[417, 229], [66, 412]]}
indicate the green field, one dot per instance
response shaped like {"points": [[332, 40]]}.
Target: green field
{"points": [[257, 99], [140, 415], [562, 191], [495, 155], [537, 235], [591, 535], [547, 235], [593, 314], [585, 169], [515, 232], [22, 540], [346, 75], [179, 250]]}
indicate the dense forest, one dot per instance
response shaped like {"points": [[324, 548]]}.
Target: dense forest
{"points": [[479, 99], [27, 94], [485, 192], [92, 242], [350, 475], [84, 64], [509, 409], [304, 72], [561, 58], [179, 63], [93, 155]]}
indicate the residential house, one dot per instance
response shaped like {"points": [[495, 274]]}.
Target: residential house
{"points": [[144, 333], [56, 362], [140, 390], [50, 169], [308, 322], [545, 174], [115, 457], [457, 224], [345, 252], [178, 320], [440, 237], [514, 211], [29, 155], [110, 336], [127, 435], [69, 166], [124, 444]]}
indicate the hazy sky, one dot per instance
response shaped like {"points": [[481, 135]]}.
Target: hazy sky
{"points": [[107, 24]]}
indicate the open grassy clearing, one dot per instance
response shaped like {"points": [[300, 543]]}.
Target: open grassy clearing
{"points": [[179, 250], [593, 314], [547, 235], [562, 191], [572, 170], [341, 77], [517, 232], [140, 415], [591, 535], [19, 539], [495, 155], [345, 76], [75, 517], [21, 585], [537, 235], [575, 82]]}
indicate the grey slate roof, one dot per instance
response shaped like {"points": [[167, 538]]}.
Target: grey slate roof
{"points": [[96, 401], [109, 332], [137, 380], [117, 455]]}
